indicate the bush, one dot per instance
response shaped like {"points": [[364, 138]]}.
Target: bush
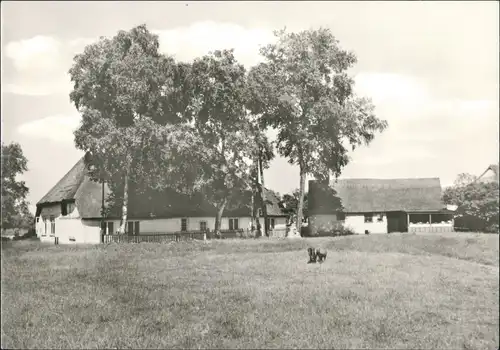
{"points": [[340, 231]]}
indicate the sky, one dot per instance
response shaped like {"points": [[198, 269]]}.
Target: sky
{"points": [[431, 69]]}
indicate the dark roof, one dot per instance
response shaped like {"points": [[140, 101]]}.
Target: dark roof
{"points": [[382, 195], [77, 185], [273, 204]]}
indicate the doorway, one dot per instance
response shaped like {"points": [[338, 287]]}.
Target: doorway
{"points": [[397, 222]]}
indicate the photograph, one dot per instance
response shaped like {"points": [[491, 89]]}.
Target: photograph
{"points": [[250, 175]]}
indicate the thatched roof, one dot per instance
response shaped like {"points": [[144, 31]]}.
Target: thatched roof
{"points": [[66, 188], [383, 195], [77, 186], [492, 172]]}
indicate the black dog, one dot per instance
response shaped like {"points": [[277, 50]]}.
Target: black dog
{"points": [[316, 254]]}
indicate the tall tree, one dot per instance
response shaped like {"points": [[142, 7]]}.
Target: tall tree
{"points": [[131, 106], [15, 212], [218, 87], [263, 154], [303, 90]]}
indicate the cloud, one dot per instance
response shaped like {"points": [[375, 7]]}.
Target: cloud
{"points": [[39, 67], [56, 128], [186, 43], [41, 63], [37, 53], [421, 126]]}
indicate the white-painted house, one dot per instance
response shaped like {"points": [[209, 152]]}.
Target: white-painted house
{"points": [[71, 212], [379, 206]]}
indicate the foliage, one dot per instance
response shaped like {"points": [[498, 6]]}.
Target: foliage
{"points": [[291, 201], [217, 105], [15, 211], [478, 203], [131, 104], [303, 90]]}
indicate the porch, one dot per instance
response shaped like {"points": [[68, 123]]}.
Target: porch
{"points": [[430, 222]]}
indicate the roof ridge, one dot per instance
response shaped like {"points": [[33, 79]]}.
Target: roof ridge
{"points": [[42, 200]]}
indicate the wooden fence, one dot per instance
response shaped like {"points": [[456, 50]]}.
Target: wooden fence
{"points": [[154, 237], [159, 237]]}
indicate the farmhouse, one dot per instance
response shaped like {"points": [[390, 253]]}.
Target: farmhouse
{"points": [[71, 212], [379, 206]]}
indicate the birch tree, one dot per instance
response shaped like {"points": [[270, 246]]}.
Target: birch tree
{"points": [[130, 104], [303, 90]]}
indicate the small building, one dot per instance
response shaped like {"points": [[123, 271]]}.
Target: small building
{"points": [[71, 212], [379, 206]]}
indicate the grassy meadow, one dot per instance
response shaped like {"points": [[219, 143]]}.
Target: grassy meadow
{"points": [[376, 291]]}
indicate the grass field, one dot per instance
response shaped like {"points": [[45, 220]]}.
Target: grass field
{"points": [[387, 291]]}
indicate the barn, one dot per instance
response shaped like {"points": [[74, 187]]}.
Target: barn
{"points": [[71, 212], [379, 206]]}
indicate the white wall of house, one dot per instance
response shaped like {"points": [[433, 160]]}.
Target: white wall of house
{"points": [[68, 229], [357, 223], [170, 225]]}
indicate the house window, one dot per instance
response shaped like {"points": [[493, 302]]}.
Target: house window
{"points": [[45, 231], [380, 217], [203, 226], [369, 217], [184, 224], [52, 225], [110, 227], [234, 224], [133, 227]]}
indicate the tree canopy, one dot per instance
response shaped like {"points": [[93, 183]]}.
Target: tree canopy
{"points": [[291, 201], [15, 211], [132, 114], [477, 203], [217, 103], [304, 91]]}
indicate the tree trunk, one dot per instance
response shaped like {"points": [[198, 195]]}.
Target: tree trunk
{"points": [[301, 199], [218, 218], [263, 197], [256, 189], [252, 210], [123, 223]]}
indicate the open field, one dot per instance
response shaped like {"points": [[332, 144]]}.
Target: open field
{"points": [[376, 291]]}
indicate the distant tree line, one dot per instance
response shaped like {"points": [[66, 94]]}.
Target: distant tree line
{"points": [[15, 210]]}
